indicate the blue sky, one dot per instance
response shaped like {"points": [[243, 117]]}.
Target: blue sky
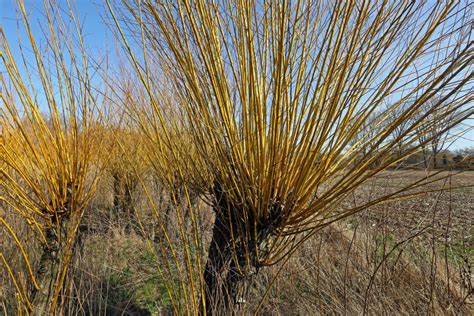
{"points": [[99, 40], [89, 12]]}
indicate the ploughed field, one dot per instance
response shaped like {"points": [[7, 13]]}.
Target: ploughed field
{"points": [[446, 216], [409, 256]]}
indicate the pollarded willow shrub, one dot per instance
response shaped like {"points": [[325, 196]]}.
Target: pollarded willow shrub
{"points": [[276, 95], [49, 158]]}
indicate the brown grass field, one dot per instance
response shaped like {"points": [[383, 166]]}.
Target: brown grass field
{"points": [[407, 257], [412, 256]]}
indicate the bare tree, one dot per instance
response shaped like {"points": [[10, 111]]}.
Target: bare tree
{"points": [[436, 131], [365, 139], [394, 113]]}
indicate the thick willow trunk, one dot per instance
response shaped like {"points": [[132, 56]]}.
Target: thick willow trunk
{"points": [[232, 259], [48, 270], [224, 284], [128, 199], [216, 273], [123, 205], [51, 274], [117, 191]]}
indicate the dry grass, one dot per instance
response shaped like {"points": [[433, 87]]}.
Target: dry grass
{"points": [[116, 272], [416, 255]]}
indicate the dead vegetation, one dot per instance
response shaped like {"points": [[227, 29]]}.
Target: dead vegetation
{"points": [[409, 257]]}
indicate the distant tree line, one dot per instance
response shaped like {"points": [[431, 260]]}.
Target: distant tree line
{"points": [[457, 159], [432, 138]]}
